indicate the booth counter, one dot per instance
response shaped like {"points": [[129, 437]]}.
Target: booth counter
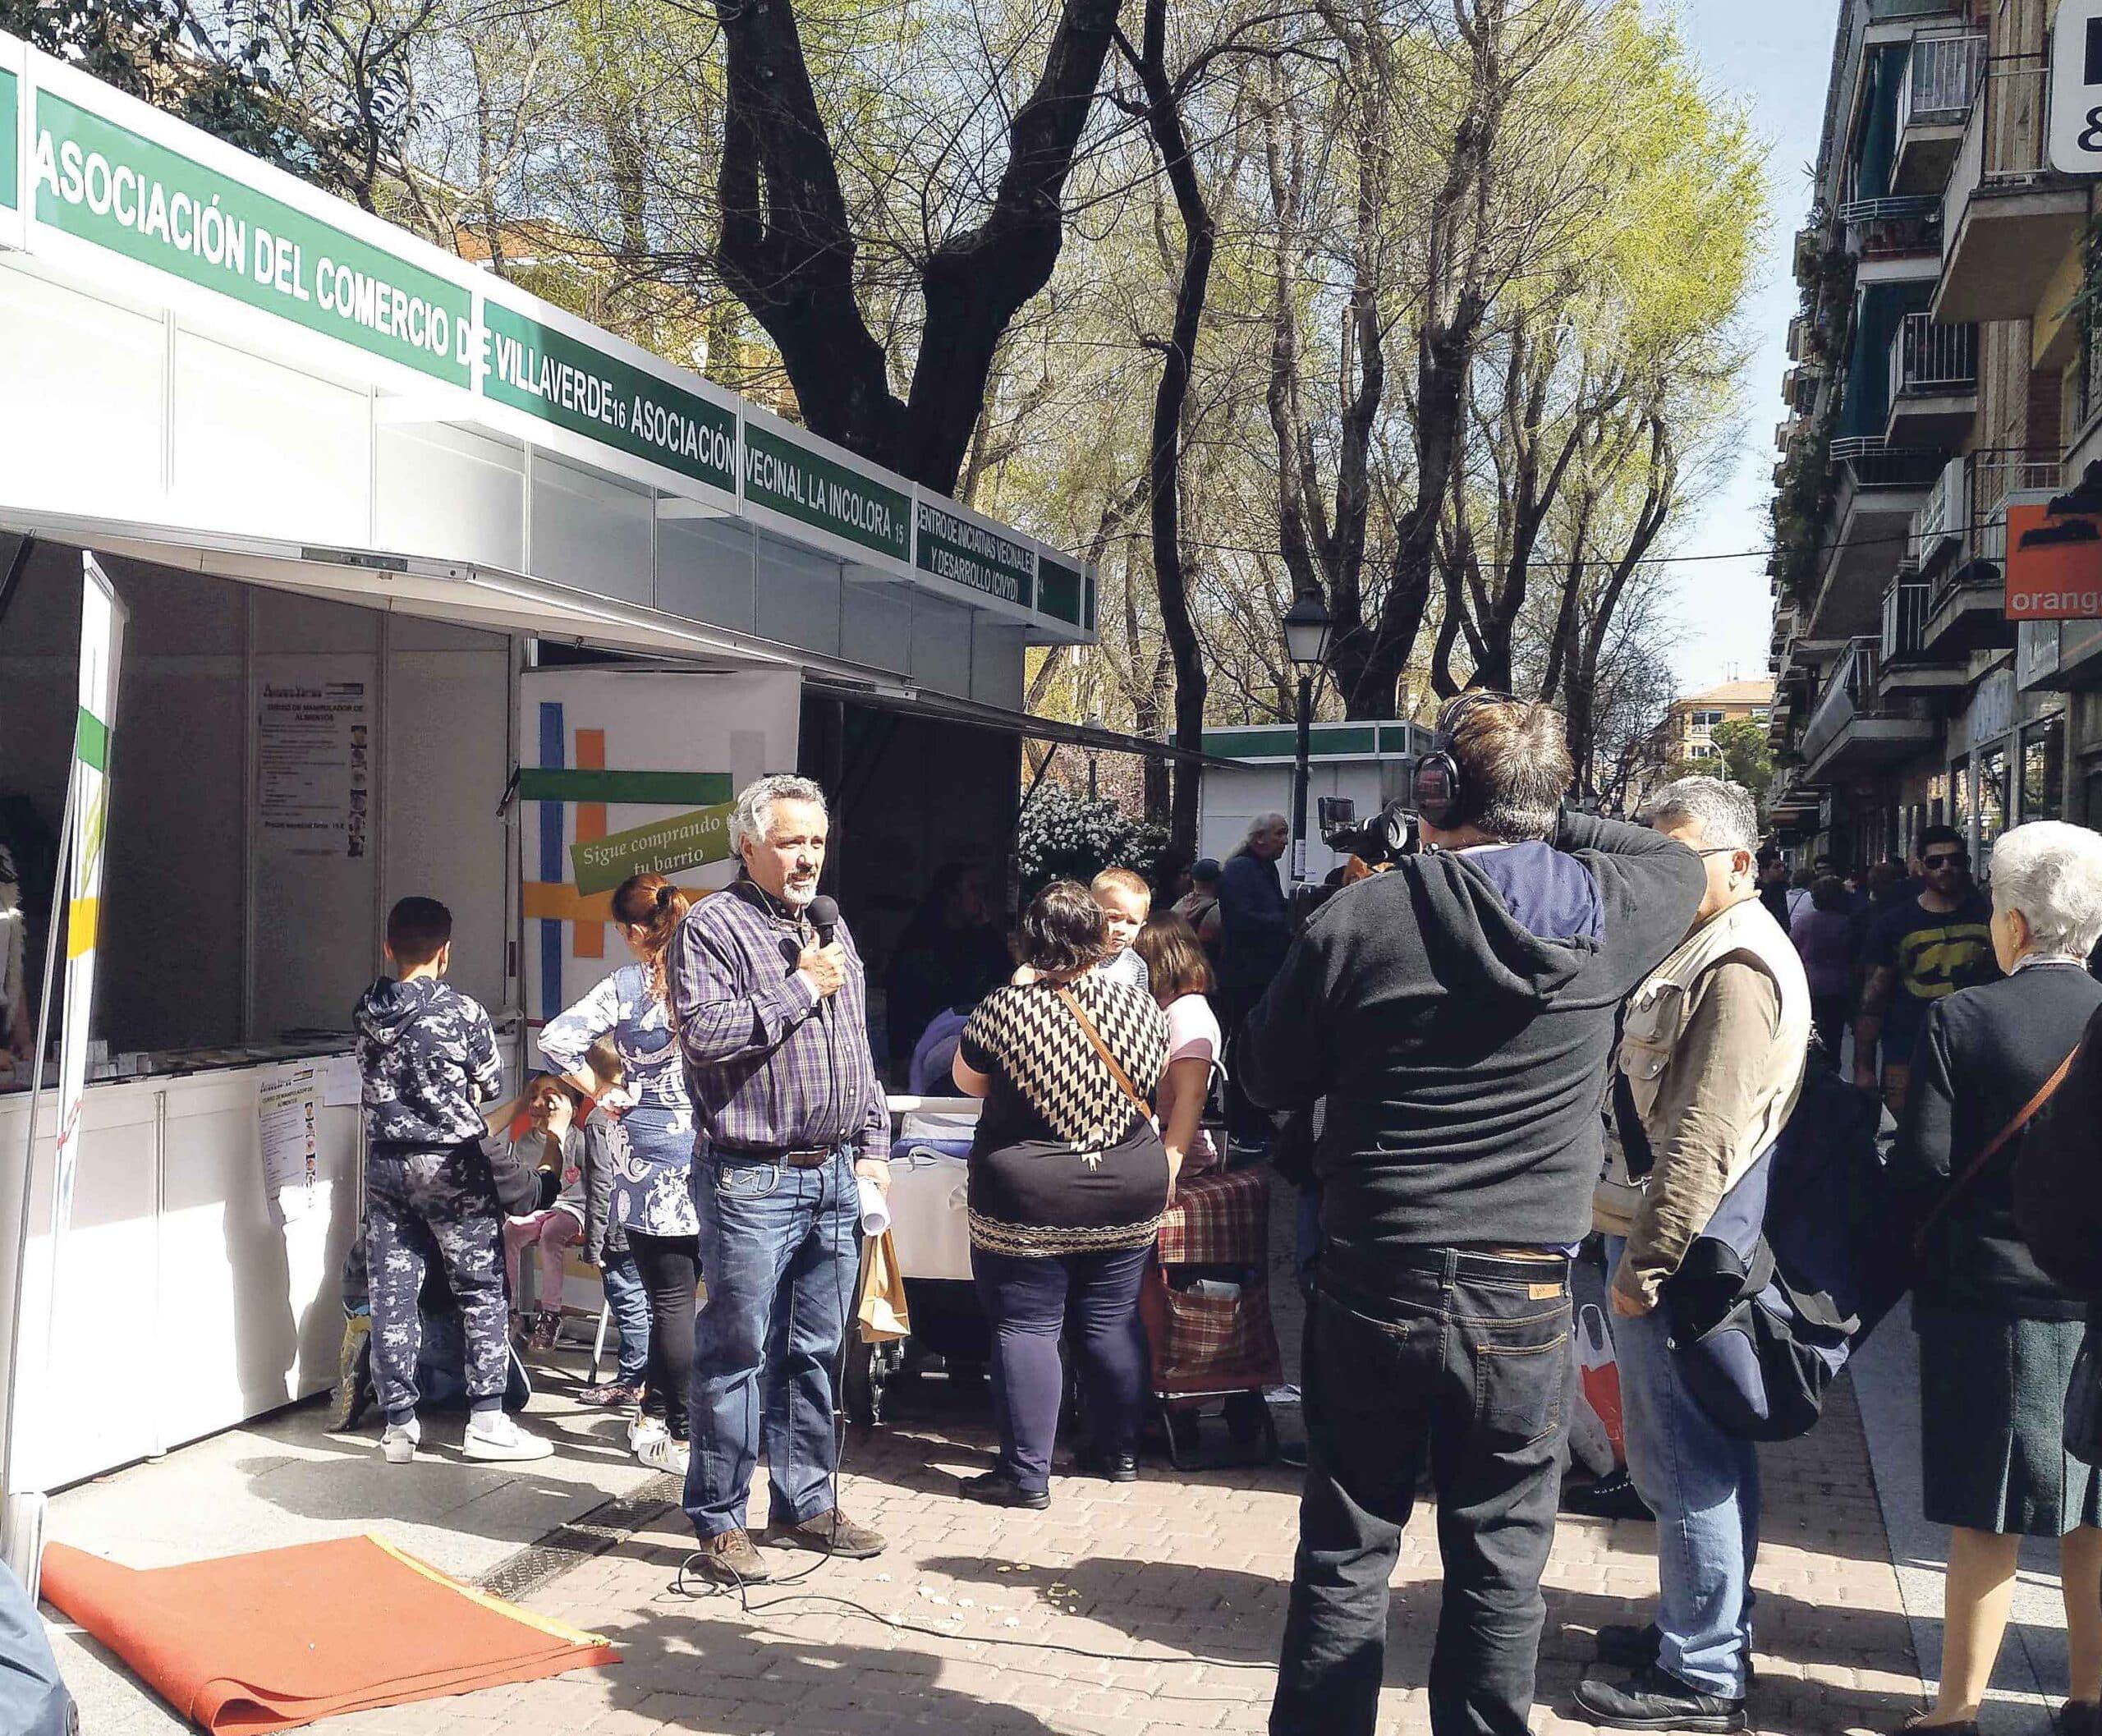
{"points": [[184, 1302]]}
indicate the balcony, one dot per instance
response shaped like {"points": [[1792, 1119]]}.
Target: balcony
{"points": [[1966, 611], [1934, 96], [2006, 220], [1905, 669], [1850, 732], [1942, 524], [1880, 488], [1934, 383], [1899, 226]]}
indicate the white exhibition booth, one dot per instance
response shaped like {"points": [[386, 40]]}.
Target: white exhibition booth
{"points": [[375, 517]]}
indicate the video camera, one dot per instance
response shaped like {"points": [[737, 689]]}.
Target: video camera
{"points": [[1383, 838]]}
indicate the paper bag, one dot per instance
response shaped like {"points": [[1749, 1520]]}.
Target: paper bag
{"points": [[880, 1305]]}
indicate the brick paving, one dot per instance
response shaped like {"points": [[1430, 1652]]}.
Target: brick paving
{"points": [[1148, 1607]]}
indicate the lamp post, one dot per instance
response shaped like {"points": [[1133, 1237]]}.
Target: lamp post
{"points": [[1306, 625]]}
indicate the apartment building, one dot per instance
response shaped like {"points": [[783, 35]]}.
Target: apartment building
{"points": [[1944, 368]]}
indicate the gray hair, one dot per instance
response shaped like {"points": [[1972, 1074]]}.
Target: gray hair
{"points": [[2051, 873], [1260, 823], [752, 816], [1727, 816]]}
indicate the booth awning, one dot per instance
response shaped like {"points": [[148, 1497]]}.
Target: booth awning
{"points": [[923, 703]]}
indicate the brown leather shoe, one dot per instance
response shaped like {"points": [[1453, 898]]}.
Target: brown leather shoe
{"points": [[828, 1533], [730, 1557]]}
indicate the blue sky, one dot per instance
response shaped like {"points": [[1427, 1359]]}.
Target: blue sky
{"points": [[1775, 54]]}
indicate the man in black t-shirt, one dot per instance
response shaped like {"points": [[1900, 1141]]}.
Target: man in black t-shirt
{"points": [[1923, 949]]}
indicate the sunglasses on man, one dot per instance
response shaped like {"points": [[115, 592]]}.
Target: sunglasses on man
{"points": [[1936, 864]]}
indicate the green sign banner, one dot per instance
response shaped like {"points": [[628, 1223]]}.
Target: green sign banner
{"points": [[663, 846], [662, 789], [549, 374], [958, 548], [108, 185], [814, 490], [1060, 589], [9, 130]]}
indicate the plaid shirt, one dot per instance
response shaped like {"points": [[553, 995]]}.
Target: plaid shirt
{"points": [[769, 1067]]}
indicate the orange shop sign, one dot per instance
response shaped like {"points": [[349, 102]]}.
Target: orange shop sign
{"points": [[2053, 564]]}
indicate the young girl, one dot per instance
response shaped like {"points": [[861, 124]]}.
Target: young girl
{"points": [[1180, 976], [551, 1142], [652, 1191]]}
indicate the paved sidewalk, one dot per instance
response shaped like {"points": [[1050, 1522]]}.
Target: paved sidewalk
{"points": [[1180, 1579]]}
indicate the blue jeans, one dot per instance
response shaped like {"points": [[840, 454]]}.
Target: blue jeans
{"points": [[631, 1305], [1702, 1486], [780, 1248], [1094, 1299]]}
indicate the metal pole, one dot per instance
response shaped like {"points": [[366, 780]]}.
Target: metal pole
{"points": [[23, 1527], [1299, 781]]}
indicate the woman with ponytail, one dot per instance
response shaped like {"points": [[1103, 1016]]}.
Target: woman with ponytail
{"points": [[653, 1166]]}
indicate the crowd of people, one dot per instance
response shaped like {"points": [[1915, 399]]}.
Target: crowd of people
{"points": [[1536, 1036]]}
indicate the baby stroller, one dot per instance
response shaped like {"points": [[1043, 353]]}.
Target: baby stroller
{"points": [[1206, 1306]]}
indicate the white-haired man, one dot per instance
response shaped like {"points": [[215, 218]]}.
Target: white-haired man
{"points": [[1710, 1064], [773, 1024]]}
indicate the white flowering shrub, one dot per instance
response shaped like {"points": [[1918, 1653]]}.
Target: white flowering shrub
{"points": [[1067, 836]]}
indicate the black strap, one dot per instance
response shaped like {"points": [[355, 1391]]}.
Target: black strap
{"points": [[1633, 1142]]}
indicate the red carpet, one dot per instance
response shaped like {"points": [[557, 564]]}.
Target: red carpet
{"points": [[273, 1641]]}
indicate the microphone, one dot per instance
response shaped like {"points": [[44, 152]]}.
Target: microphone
{"points": [[824, 915]]}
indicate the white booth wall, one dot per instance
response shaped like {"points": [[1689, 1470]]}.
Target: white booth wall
{"points": [[184, 1305], [184, 963]]}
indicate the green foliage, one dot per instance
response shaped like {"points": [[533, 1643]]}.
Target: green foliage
{"points": [[143, 49], [1746, 759], [1066, 837]]}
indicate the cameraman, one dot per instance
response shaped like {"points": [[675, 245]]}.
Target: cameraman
{"points": [[1457, 1012]]}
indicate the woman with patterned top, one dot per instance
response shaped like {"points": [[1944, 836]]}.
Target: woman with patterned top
{"points": [[652, 1191], [1067, 1181]]}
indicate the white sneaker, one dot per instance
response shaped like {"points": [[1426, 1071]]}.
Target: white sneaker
{"points": [[498, 1437], [399, 1442], [644, 1433], [661, 1453]]}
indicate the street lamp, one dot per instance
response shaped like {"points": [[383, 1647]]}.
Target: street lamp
{"points": [[1306, 625]]}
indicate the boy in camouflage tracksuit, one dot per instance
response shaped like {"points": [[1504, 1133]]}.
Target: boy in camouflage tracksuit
{"points": [[429, 1057]]}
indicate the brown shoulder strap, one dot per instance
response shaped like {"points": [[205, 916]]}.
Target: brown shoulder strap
{"points": [[1992, 1147], [1073, 1004]]}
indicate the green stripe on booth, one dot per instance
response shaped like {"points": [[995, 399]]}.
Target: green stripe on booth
{"points": [[669, 789], [91, 740]]}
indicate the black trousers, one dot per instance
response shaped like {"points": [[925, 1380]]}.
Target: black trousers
{"points": [[669, 1267], [1460, 1358]]}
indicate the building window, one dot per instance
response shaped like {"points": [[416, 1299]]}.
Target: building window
{"points": [[1992, 802], [2043, 770], [1703, 720]]}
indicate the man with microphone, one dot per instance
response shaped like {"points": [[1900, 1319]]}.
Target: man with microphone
{"points": [[768, 1002]]}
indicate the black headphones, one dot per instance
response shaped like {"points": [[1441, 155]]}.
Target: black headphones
{"points": [[1438, 789]]}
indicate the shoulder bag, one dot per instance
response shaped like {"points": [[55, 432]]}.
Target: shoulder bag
{"points": [[2058, 1180], [1992, 1147], [1087, 1026]]}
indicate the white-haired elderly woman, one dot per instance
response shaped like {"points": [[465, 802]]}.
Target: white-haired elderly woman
{"points": [[1998, 1338]]}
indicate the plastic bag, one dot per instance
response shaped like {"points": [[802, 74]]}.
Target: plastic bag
{"points": [[880, 1305], [1599, 1374]]}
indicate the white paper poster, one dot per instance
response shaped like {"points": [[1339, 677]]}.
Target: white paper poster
{"points": [[342, 1086], [313, 768], [287, 1100]]}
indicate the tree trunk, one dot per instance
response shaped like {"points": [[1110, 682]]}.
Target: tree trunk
{"points": [[1164, 460], [787, 251]]}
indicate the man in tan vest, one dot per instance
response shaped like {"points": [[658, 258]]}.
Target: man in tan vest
{"points": [[1711, 1053]]}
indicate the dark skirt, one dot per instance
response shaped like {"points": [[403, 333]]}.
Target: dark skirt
{"points": [[1032, 1198], [1992, 1424]]}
